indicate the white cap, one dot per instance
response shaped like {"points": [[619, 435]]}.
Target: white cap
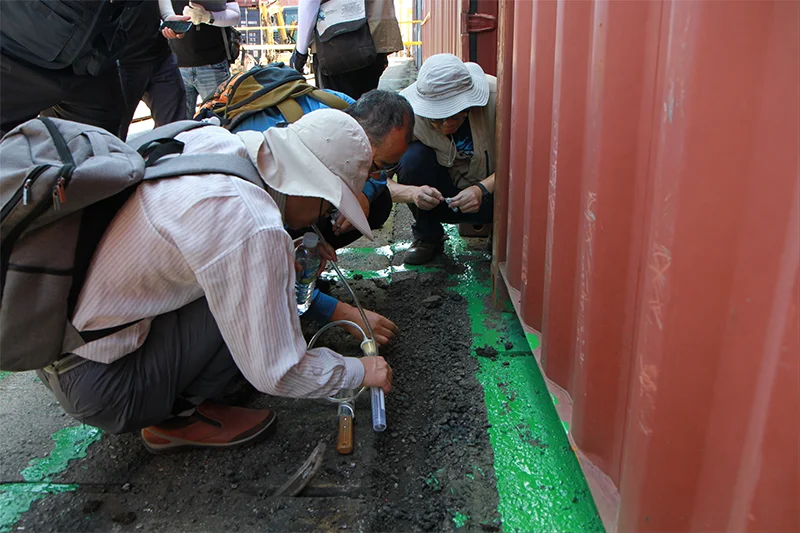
{"points": [[325, 154], [446, 86], [310, 240]]}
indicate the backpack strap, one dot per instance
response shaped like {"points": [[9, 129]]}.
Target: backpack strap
{"points": [[290, 110], [330, 100], [227, 44], [155, 144], [168, 131], [205, 164]]}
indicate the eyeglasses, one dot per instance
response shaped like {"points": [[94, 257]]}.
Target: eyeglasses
{"points": [[377, 171], [458, 116]]}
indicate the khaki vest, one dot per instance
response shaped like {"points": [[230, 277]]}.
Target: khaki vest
{"points": [[482, 122]]}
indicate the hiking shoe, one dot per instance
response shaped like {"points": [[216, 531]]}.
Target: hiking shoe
{"points": [[422, 252], [211, 426]]}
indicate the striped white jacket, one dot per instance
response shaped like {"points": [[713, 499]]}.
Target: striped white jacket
{"points": [[176, 240]]}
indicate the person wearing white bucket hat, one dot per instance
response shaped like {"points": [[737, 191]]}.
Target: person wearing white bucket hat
{"points": [[196, 277], [448, 172], [388, 120]]}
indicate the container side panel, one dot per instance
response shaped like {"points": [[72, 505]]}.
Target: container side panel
{"points": [[518, 171], [540, 124], [716, 316]]}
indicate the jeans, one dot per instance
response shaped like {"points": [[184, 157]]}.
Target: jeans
{"points": [[418, 167], [159, 85], [202, 81], [183, 361]]}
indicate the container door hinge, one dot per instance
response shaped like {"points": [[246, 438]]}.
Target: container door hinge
{"points": [[477, 23]]}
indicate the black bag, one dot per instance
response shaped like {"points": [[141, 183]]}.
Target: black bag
{"points": [[84, 34], [345, 47]]}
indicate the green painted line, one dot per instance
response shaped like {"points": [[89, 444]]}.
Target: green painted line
{"points": [[4, 375], [539, 480], [16, 498]]}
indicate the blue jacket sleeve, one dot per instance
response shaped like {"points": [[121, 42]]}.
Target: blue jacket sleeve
{"points": [[373, 187], [322, 307]]}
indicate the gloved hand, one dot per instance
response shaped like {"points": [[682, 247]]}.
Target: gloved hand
{"points": [[298, 61], [197, 13]]}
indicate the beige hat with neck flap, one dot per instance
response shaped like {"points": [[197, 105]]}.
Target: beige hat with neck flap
{"points": [[325, 154]]}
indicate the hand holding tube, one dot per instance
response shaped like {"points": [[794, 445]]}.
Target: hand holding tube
{"points": [[377, 373]]}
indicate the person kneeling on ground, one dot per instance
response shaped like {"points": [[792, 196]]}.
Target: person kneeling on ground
{"points": [[448, 172], [388, 120], [199, 272]]}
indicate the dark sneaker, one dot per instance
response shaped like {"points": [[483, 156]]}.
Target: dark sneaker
{"points": [[211, 426], [422, 252]]}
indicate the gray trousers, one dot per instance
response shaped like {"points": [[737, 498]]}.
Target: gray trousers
{"points": [[183, 361]]}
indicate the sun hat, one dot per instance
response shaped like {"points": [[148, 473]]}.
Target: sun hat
{"points": [[325, 154], [446, 86]]}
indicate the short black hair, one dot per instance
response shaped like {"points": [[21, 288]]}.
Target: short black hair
{"points": [[379, 112]]}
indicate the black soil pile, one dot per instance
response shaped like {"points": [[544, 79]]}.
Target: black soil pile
{"points": [[436, 464]]}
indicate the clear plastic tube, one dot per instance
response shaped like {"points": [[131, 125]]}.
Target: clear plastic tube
{"points": [[378, 409], [376, 393]]}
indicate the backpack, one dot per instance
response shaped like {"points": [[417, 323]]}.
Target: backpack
{"points": [[84, 34], [260, 88], [233, 43], [61, 183]]}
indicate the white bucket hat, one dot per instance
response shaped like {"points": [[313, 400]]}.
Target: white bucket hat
{"points": [[446, 86], [325, 154]]}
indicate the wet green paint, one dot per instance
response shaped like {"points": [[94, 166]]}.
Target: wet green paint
{"points": [[433, 482], [385, 251], [71, 443], [539, 481], [534, 340], [460, 519], [16, 498], [385, 273]]}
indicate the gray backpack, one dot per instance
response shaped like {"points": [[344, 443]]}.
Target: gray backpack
{"points": [[61, 183]]}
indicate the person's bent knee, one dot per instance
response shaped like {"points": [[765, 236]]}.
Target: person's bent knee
{"points": [[417, 165], [380, 209]]}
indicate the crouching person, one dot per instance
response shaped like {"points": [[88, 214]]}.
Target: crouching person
{"points": [[448, 172], [198, 274]]}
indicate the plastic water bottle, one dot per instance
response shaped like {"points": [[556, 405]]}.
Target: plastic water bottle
{"points": [[307, 256]]}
